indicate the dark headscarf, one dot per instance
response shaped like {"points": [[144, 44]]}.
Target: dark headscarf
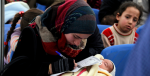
{"points": [[73, 16]]}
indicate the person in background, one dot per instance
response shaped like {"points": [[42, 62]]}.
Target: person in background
{"points": [[108, 20], [33, 3], [128, 15], [13, 34], [9, 1], [12, 8]]}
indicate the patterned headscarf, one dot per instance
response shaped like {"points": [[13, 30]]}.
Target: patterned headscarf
{"points": [[75, 15], [71, 16]]}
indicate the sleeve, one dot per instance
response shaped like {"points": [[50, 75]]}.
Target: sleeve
{"points": [[94, 46], [35, 62], [105, 40]]}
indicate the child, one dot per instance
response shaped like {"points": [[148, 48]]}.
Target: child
{"points": [[128, 15], [106, 68], [13, 35]]}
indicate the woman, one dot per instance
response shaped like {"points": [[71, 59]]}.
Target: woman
{"points": [[68, 27]]}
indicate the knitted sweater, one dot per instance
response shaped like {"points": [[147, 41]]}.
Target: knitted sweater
{"points": [[113, 36]]}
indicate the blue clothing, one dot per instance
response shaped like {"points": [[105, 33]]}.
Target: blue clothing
{"points": [[139, 58]]}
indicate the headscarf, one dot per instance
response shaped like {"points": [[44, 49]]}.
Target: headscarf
{"points": [[12, 8], [71, 16]]}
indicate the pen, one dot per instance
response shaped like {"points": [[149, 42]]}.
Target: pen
{"points": [[60, 54]]}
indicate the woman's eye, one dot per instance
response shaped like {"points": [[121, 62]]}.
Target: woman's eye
{"points": [[74, 36]]}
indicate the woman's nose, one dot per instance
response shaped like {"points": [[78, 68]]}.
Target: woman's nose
{"points": [[77, 42]]}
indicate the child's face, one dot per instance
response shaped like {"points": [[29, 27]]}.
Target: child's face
{"points": [[75, 38], [106, 65], [128, 19]]}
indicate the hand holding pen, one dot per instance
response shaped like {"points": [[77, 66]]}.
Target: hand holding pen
{"points": [[65, 57]]}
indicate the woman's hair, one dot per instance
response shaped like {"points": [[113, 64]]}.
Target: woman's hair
{"points": [[127, 4], [27, 17]]}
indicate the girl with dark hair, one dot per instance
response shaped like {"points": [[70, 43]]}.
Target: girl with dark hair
{"points": [[122, 32], [69, 28], [13, 34]]}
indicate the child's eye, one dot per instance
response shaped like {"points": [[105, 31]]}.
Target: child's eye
{"points": [[134, 20], [127, 17]]}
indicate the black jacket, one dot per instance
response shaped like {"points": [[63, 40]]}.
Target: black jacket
{"points": [[35, 61]]}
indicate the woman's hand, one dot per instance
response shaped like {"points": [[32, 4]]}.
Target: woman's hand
{"points": [[75, 64]]}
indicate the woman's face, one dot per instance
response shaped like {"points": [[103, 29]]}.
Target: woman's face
{"points": [[106, 65], [75, 38]]}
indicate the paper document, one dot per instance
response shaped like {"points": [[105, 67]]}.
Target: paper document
{"points": [[83, 63], [86, 62]]}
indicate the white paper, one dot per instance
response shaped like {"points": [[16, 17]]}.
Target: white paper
{"points": [[56, 74], [83, 63], [87, 62]]}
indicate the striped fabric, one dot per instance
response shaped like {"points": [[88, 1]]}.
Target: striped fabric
{"points": [[13, 43], [14, 38]]}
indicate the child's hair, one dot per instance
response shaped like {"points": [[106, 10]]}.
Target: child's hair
{"points": [[27, 17], [108, 20], [127, 4]]}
